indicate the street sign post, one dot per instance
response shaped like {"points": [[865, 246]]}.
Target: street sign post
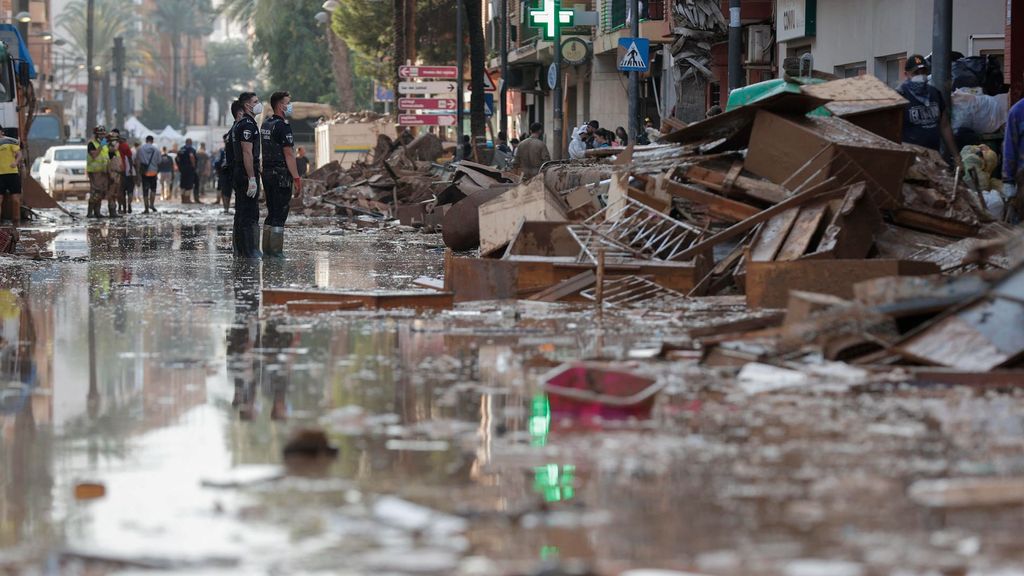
{"points": [[424, 88], [426, 120], [429, 72], [427, 104]]}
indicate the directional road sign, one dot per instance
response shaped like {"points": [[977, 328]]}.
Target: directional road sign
{"points": [[424, 88], [426, 120], [429, 72], [634, 54], [427, 104]]}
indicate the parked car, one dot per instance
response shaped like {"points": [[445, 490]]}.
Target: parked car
{"points": [[62, 172], [36, 164]]}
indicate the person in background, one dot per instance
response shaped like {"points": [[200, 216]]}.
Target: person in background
{"points": [[187, 161], [623, 138], [467, 148], [592, 128], [165, 174], [227, 158], [926, 118], [578, 146], [203, 170], [514, 144], [532, 153], [10, 176], [98, 156], [127, 174], [245, 140], [503, 143], [115, 170], [603, 139], [281, 178], [148, 158], [301, 161]]}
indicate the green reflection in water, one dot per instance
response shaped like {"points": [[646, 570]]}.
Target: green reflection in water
{"points": [[540, 420]]}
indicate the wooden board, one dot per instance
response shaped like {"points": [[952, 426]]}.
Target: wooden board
{"points": [[772, 236], [758, 189], [768, 283], [804, 232], [373, 300], [501, 217], [566, 288], [718, 206]]}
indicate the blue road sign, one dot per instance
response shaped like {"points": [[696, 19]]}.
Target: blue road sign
{"points": [[382, 93], [488, 104], [634, 54]]}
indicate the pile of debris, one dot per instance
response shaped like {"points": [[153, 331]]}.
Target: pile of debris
{"points": [[804, 200]]}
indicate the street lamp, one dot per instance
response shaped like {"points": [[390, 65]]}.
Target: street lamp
{"points": [[331, 5], [23, 17]]}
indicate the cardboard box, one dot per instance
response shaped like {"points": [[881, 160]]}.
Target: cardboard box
{"points": [[501, 217]]}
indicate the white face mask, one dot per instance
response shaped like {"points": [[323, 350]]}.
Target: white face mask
{"points": [[919, 78], [257, 109], [289, 109]]}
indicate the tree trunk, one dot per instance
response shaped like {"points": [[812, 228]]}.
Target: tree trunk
{"points": [[206, 110], [399, 47], [342, 66], [477, 56], [175, 42]]}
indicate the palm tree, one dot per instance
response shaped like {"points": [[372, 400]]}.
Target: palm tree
{"points": [[227, 68], [113, 18], [178, 20]]}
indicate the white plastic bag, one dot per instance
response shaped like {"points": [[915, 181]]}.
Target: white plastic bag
{"points": [[976, 111]]}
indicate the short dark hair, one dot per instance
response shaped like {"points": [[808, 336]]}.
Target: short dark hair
{"points": [[594, 124], [149, 138], [536, 128], [244, 97], [276, 98], [502, 135], [236, 107]]}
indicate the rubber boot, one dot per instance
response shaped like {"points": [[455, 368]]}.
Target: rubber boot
{"points": [[112, 210], [267, 249], [93, 211], [276, 241], [254, 235]]}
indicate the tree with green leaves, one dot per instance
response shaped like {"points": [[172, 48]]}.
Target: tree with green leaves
{"points": [[227, 71], [296, 52], [159, 112]]}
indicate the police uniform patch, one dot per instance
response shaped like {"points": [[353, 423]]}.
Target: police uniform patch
{"points": [[247, 134]]}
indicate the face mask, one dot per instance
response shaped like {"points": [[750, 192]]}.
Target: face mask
{"points": [[257, 109], [289, 109], [103, 141], [919, 78]]}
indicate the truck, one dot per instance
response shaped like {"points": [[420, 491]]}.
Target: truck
{"points": [[18, 108], [48, 128]]}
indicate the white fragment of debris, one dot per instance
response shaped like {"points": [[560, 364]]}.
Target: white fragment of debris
{"points": [[415, 561], [244, 476], [757, 378], [814, 567], [417, 445], [967, 492], [413, 517], [839, 372], [651, 572]]}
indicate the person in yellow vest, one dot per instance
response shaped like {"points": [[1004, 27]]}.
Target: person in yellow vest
{"points": [[10, 177], [96, 166]]}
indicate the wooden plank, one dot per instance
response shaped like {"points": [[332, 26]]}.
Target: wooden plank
{"points": [[740, 326], [772, 236], [718, 206], [926, 223], [805, 229], [314, 307], [753, 187], [769, 283], [824, 191], [566, 288], [374, 300]]}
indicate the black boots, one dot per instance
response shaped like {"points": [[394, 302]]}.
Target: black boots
{"points": [[273, 241], [246, 241]]}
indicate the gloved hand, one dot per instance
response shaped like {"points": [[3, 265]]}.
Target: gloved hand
{"points": [[253, 188], [296, 187]]}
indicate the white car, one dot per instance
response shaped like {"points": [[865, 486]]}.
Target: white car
{"points": [[62, 172], [36, 165]]}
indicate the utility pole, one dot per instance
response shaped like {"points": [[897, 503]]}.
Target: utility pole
{"points": [[90, 88], [942, 49], [634, 79], [460, 63], [735, 46], [23, 26], [557, 104], [503, 93], [119, 58]]}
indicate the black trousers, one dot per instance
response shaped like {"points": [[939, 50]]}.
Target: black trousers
{"points": [[148, 186], [247, 210], [278, 184]]}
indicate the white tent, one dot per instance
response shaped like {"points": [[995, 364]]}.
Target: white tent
{"points": [[137, 129], [169, 137]]}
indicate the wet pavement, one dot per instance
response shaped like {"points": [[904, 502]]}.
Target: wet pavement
{"points": [[141, 361]]}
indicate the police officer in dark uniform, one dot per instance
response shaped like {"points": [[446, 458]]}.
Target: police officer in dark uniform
{"points": [[246, 161], [280, 175], [227, 160]]}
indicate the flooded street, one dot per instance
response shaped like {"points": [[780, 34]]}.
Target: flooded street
{"points": [[148, 398]]}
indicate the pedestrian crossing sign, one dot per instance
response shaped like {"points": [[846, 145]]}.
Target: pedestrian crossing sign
{"points": [[634, 54]]}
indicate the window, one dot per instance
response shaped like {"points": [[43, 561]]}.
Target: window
{"points": [[45, 128], [889, 69], [7, 82], [852, 70], [70, 155]]}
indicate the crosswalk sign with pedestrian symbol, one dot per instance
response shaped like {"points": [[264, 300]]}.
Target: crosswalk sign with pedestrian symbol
{"points": [[634, 54]]}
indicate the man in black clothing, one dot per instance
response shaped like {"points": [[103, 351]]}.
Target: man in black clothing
{"points": [[301, 161], [186, 160], [926, 117], [225, 164], [280, 175], [245, 136]]}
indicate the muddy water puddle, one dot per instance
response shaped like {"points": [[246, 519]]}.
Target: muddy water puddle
{"points": [[142, 362]]}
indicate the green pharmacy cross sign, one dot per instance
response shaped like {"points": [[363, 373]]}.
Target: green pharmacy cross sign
{"points": [[550, 15]]}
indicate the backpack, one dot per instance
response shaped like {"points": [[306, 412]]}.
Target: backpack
{"points": [[166, 164]]}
